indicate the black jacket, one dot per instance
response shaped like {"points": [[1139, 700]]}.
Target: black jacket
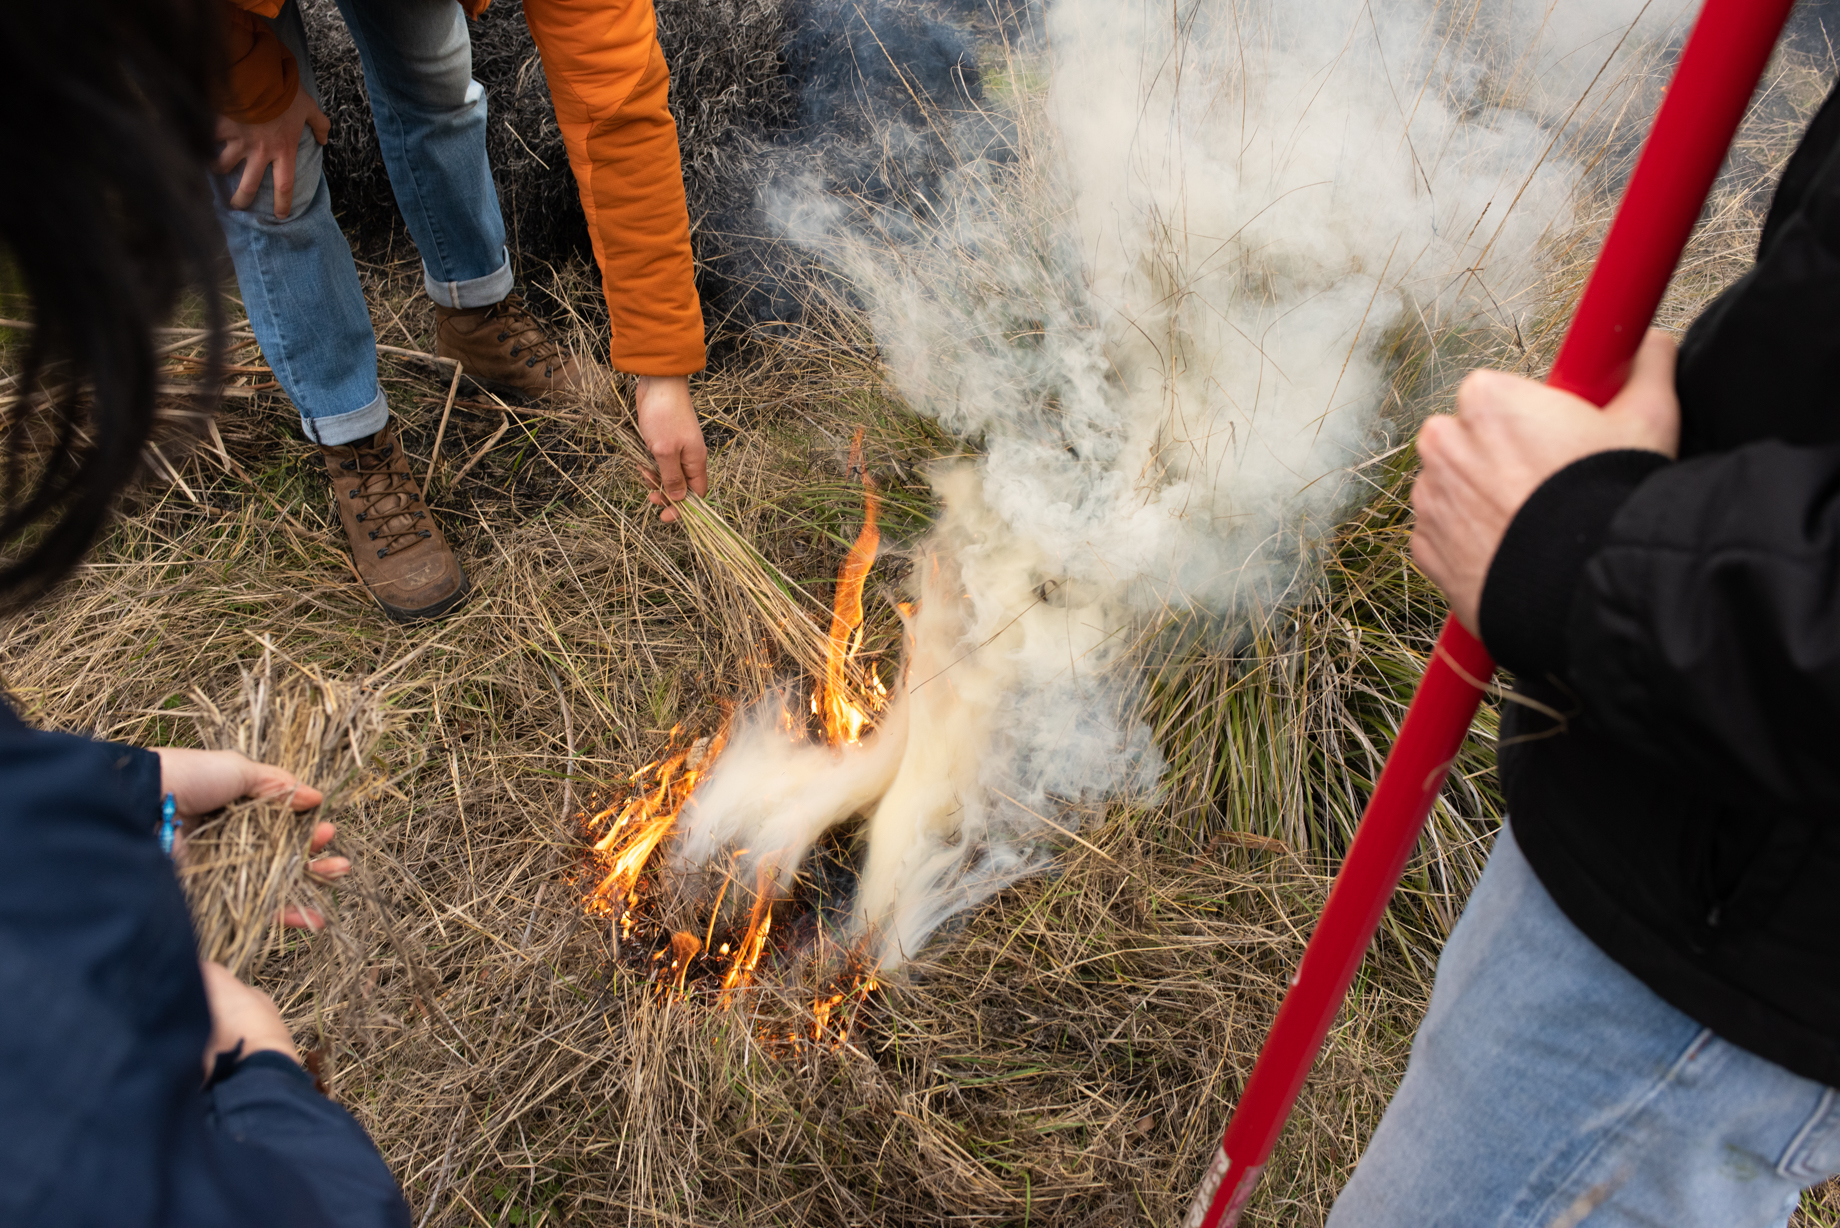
{"points": [[1682, 620], [104, 1121]]}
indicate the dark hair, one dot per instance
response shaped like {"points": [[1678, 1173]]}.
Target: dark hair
{"points": [[106, 217]]}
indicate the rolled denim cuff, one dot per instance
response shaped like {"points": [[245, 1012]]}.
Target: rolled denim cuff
{"points": [[349, 427], [474, 292]]}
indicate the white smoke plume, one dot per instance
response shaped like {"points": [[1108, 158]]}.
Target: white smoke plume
{"points": [[1158, 315]]}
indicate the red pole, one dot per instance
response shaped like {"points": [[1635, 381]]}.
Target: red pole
{"points": [[1719, 68]]}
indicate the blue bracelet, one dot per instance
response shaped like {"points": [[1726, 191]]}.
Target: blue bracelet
{"points": [[170, 823]]}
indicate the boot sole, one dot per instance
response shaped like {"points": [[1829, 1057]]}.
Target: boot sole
{"points": [[398, 614]]}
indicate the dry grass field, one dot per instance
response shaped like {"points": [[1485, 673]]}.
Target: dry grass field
{"points": [[1065, 1055]]}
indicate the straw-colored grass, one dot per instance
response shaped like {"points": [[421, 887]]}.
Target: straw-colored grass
{"points": [[245, 865], [1067, 1055]]}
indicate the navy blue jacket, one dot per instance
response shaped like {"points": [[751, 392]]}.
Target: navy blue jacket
{"points": [[104, 1119]]}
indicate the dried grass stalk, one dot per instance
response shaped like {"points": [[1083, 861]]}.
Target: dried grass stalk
{"points": [[765, 593], [248, 862]]}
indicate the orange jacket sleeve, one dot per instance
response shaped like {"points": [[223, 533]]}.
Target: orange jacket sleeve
{"points": [[608, 79], [263, 77]]}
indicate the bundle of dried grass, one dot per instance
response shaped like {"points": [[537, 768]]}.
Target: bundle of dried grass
{"points": [[249, 862], [765, 594]]}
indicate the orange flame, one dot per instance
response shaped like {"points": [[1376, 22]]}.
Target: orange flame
{"points": [[844, 719], [826, 1007], [754, 942], [642, 823], [684, 948], [821, 1014]]}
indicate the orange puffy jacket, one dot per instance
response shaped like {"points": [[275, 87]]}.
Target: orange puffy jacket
{"points": [[608, 80]]}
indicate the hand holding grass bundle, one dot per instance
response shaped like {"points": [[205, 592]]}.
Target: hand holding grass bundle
{"points": [[253, 862], [761, 589], [249, 858]]}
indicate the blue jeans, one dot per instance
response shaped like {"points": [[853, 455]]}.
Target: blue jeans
{"points": [[296, 274], [1548, 1088]]}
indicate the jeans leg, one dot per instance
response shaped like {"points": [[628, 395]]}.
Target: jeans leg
{"points": [[301, 290], [431, 123], [1549, 1086]]}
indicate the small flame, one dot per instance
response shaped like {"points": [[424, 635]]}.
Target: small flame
{"points": [[844, 719], [684, 948], [821, 1014], [641, 823], [754, 942], [833, 1014]]}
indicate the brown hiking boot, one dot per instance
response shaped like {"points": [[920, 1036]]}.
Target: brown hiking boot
{"points": [[506, 349], [400, 554]]}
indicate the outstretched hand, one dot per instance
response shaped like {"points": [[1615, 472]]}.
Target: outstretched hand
{"points": [[205, 780], [667, 423], [1509, 435]]}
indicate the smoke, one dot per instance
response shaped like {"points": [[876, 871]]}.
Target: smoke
{"points": [[774, 793], [1160, 307]]}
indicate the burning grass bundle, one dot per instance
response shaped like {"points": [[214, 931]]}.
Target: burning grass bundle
{"points": [[752, 579], [659, 909]]}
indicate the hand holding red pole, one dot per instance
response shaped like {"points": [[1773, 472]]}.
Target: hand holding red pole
{"points": [[1719, 68]]}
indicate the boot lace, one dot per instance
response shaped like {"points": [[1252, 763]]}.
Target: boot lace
{"points": [[386, 497], [528, 340]]}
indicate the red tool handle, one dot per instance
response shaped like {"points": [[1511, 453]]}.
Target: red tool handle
{"points": [[1719, 68]]}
